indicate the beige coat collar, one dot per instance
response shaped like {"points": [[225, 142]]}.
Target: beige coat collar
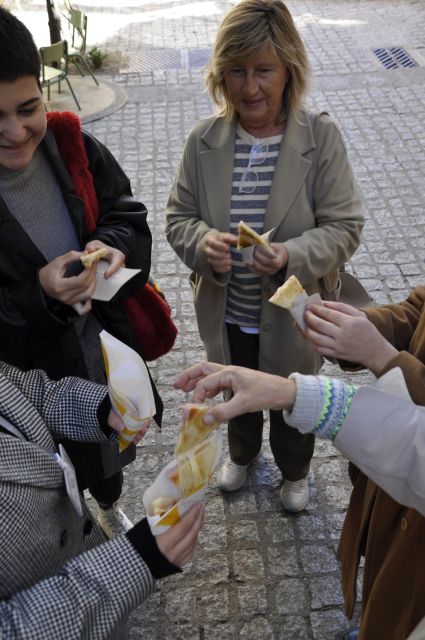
{"points": [[216, 163]]}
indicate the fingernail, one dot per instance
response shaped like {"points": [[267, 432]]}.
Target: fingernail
{"points": [[208, 418]]}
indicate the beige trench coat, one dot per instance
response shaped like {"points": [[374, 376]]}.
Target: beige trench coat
{"points": [[317, 242]]}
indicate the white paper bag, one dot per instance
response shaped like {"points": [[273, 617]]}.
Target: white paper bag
{"points": [[129, 386], [163, 486]]}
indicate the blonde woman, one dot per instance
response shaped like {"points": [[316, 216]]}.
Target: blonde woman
{"points": [[265, 160]]}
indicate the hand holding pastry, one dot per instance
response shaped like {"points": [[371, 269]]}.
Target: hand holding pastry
{"points": [[266, 265], [178, 543], [217, 250], [71, 290], [114, 256], [344, 332]]}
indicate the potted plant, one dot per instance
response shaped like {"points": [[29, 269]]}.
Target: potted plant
{"points": [[97, 57]]}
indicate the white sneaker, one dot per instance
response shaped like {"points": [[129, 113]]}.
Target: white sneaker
{"points": [[295, 495], [113, 521], [232, 476]]}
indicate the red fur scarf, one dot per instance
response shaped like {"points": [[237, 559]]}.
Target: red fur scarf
{"points": [[148, 312]]}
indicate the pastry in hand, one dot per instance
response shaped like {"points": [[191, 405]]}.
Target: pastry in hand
{"points": [[193, 430], [161, 505], [90, 258], [248, 237], [195, 468], [287, 293]]}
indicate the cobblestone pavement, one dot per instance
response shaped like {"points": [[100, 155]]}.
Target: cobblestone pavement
{"points": [[261, 573]]}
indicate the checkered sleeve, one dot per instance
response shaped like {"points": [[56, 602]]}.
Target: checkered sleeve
{"points": [[68, 406], [90, 597]]}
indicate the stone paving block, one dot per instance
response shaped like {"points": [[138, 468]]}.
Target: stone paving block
{"points": [[222, 631], [278, 527], [213, 605], [326, 624], [244, 533], [268, 499], [180, 604], [318, 558], [257, 629], [291, 597], [240, 502], [311, 527], [293, 628], [325, 591], [211, 569], [213, 537], [282, 560], [252, 600], [248, 565]]}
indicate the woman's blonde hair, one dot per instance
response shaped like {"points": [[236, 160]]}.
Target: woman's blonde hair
{"points": [[248, 29]]}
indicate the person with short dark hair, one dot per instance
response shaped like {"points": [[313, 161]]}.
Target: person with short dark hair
{"points": [[61, 193]]}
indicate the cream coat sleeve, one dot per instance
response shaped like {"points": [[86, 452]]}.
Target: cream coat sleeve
{"points": [[384, 435]]}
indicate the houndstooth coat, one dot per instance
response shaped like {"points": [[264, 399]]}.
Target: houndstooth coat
{"points": [[58, 578]]}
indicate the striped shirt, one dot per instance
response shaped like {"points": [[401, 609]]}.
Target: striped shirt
{"points": [[250, 191]]}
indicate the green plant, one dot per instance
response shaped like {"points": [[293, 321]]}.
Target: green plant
{"points": [[97, 57]]}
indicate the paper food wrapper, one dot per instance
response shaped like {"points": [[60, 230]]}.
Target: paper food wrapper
{"points": [[106, 288], [297, 309], [167, 485], [129, 386], [248, 252]]}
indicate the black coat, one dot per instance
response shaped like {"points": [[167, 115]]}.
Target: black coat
{"points": [[39, 332]]}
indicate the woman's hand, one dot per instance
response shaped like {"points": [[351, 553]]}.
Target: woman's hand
{"points": [[116, 423], [179, 542], [75, 290], [115, 257], [264, 264], [343, 332], [252, 390], [217, 250]]}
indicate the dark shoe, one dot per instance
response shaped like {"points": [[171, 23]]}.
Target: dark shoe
{"points": [[351, 635]]}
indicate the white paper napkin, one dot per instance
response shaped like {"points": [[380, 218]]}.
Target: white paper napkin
{"points": [[248, 252], [297, 310], [106, 288]]}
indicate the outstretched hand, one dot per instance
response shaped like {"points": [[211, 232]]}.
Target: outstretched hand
{"points": [[344, 332], [252, 390]]}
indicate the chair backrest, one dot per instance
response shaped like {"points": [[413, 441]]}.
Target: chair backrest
{"points": [[78, 21], [55, 54]]}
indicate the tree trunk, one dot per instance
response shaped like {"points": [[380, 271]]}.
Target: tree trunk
{"points": [[54, 22]]}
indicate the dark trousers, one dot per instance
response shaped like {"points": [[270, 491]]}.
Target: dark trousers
{"points": [[108, 490], [292, 450]]}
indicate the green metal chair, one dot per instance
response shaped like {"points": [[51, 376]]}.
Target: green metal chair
{"points": [[55, 54], [77, 51]]}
